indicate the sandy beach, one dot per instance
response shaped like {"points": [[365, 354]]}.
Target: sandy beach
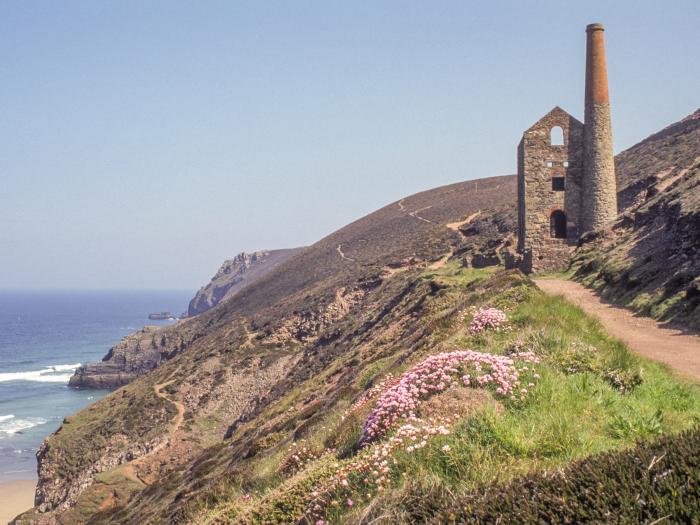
{"points": [[15, 497]]}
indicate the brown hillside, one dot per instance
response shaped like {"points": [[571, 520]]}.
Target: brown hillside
{"points": [[227, 365], [242, 380], [650, 259], [234, 275]]}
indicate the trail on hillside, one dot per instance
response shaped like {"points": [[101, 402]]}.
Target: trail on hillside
{"points": [[454, 226], [643, 335], [415, 215], [179, 418], [130, 469], [339, 249]]}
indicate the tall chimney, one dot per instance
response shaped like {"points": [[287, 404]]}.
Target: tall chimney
{"points": [[599, 187]]}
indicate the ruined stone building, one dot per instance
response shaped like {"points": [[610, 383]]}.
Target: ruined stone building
{"points": [[566, 174]]}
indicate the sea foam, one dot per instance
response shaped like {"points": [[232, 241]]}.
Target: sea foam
{"points": [[50, 374], [10, 425]]}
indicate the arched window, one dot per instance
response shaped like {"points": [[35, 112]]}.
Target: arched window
{"points": [[557, 224], [557, 136]]}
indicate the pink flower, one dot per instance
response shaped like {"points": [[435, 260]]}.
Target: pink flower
{"points": [[349, 502], [488, 319], [436, 374]]}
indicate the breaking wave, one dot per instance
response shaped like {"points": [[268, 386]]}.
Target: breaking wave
{"points": [[10, 425], [50, 374]]}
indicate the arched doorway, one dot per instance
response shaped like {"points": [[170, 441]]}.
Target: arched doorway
{"points": [[557, 224]]}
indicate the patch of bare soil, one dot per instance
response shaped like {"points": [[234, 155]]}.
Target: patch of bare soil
{"points": [[678, 349], [456, 225], [461, 401]]}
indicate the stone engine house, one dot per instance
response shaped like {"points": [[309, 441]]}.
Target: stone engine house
{"points": [[550, 176], [566, 174]]}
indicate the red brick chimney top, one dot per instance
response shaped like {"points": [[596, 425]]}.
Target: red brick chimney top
{"points": [[596, 69]]}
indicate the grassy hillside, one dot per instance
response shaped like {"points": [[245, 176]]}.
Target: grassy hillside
{"points": [[228, 365], [588, 395], [258, 411]]}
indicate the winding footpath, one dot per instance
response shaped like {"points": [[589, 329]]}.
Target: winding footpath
{"points": [[339, 249], [130, 469], [643, 335]]}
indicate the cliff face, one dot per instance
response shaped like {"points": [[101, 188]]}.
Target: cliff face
{"points": [[235, 274], [135, 355], [142, 351]]}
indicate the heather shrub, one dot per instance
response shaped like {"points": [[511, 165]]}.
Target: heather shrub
{"points": [[654, 482]]}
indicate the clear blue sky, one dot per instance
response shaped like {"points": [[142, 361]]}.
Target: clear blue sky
{"points": [[141, 143]]}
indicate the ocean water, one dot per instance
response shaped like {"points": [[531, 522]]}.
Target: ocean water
{"points": [[44, 336]]}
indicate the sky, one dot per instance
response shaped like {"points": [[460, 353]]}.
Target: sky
{"points": [[144, 142]]}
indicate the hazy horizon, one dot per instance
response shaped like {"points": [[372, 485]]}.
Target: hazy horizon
{"points": [[145, 143]]}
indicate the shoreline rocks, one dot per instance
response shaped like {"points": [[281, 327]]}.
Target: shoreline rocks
{"points": [[135, 355]]}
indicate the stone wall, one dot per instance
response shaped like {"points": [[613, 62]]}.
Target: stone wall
{"points": [[538, 162]]}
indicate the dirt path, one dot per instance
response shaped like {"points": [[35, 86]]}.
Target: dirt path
{"points": [[643, 335], [454, 226], [130, 470], [415, 215], [179, 418], [339, 249], [442, 261]]}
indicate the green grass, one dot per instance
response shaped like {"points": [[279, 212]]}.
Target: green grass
{"points": [[454, 274], [554, 274], [574, 411], [566, 417]]}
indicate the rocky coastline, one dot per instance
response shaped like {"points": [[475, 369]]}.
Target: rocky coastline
{"points": [[133, 356], [142, 351]]}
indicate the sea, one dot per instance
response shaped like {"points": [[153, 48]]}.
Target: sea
{"points": [[44, 337]]}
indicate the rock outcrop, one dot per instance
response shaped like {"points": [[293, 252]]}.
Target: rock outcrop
{"points": [[142, 351], [133, 356], [235, 274]]}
